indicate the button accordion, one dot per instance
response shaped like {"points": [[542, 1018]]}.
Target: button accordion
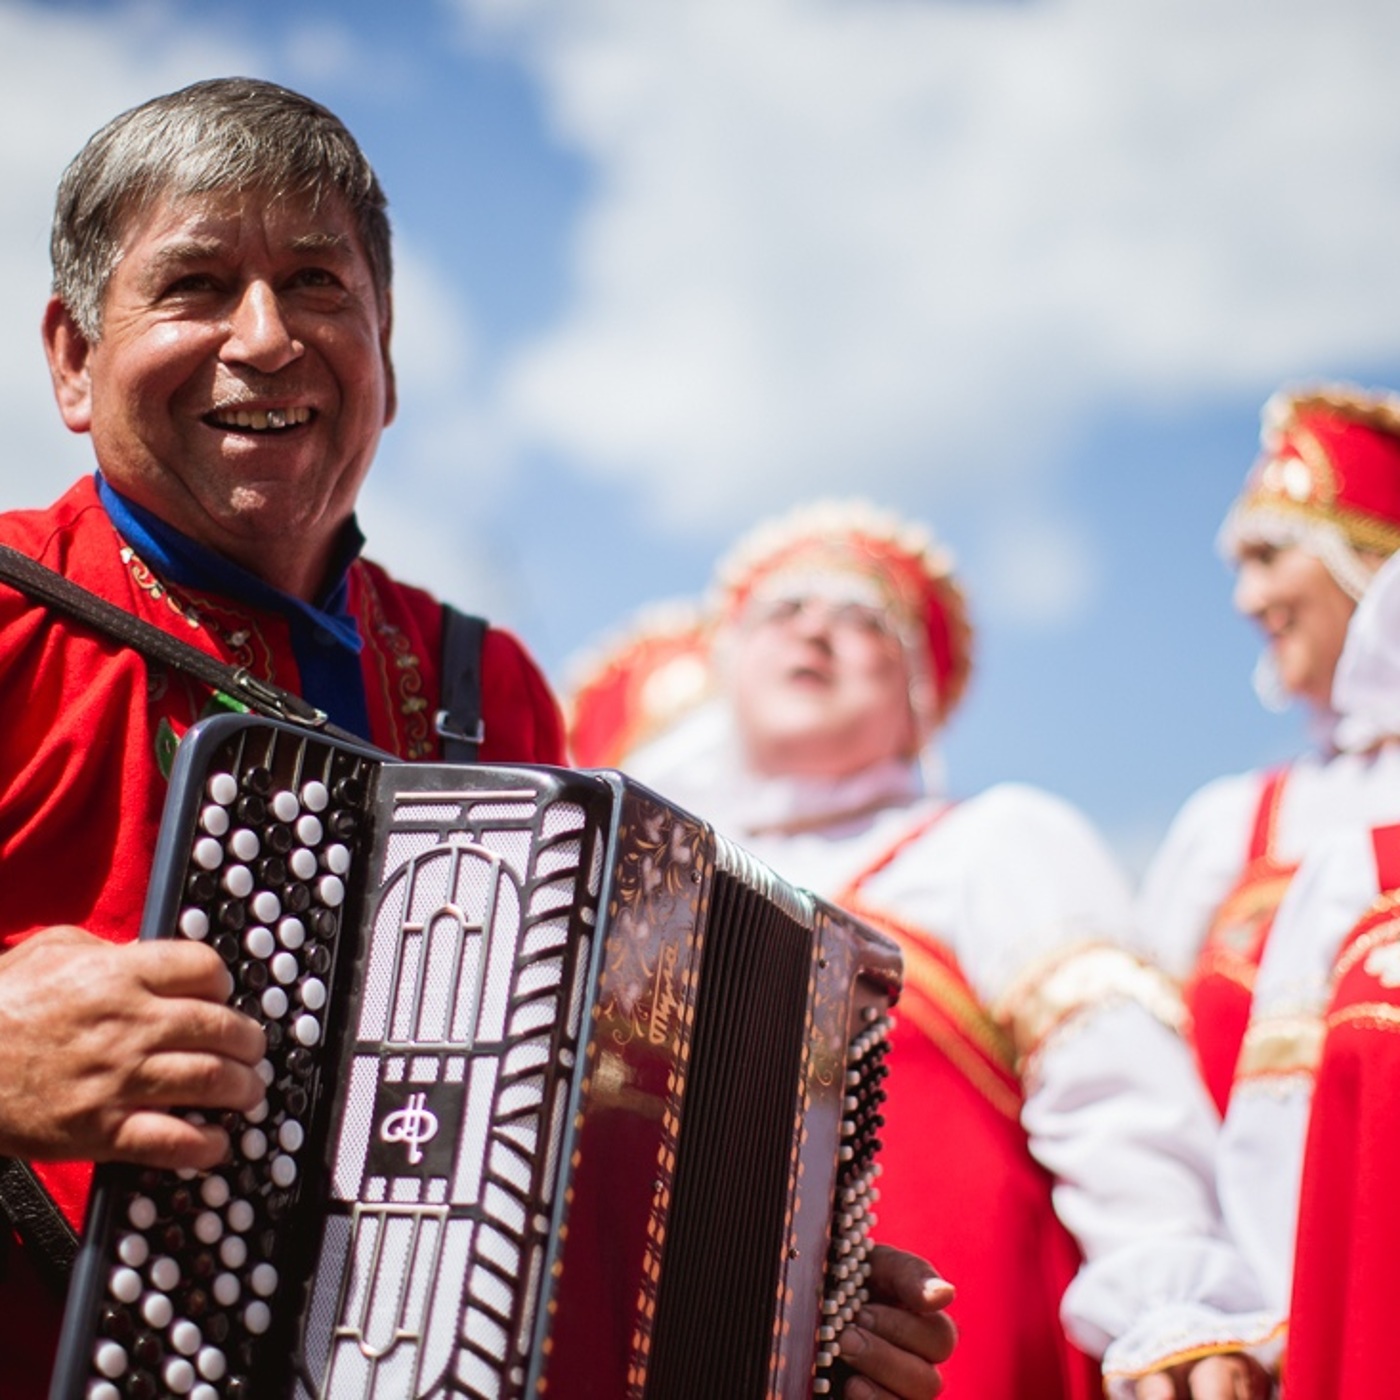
{"points": [[567, 1096]]}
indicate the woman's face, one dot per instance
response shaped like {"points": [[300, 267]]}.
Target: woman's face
{"points": [[820, 686], [1302, 611]]}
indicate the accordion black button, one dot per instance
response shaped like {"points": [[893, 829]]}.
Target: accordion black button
{"points": [[272, 870], [233, 915], [202, 886], [141, 1385], [296, 898], [278, 839], [343, 824], [116, 1323], [318, 960], [257, 781]]}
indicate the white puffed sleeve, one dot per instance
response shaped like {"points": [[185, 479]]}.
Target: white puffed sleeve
{"points": [[1259, 1158], [1037, 912]]}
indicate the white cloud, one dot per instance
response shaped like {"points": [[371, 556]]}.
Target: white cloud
{"points": [[1039, 571], [880, 239]]}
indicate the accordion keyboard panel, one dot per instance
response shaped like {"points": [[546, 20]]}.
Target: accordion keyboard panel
{"points": [[566, 1097]]}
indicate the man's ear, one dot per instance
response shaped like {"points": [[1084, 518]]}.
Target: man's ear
{"points": [[68, 351], [391, 388]]}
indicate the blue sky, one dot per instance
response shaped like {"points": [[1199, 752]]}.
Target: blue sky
{"points": [[1024, 269]]}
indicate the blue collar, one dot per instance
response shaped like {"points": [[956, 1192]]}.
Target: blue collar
{"points": [[325, 637], [183, 561]]}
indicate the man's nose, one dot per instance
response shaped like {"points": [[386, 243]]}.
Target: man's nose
{"points": [[259, 335]]}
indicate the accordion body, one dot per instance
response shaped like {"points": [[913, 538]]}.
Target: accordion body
{"points": [[568, 1096]]}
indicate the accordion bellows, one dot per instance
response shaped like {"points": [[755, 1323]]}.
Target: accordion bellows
{"points": [[567, 1096]]}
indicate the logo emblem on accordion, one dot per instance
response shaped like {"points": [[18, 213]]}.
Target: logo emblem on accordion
{"points": [[415, 1129]]}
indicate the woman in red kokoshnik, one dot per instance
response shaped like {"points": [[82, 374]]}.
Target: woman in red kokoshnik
{"points": [[797, 711], [1233, 903]]}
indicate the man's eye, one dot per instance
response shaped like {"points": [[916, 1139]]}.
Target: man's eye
{"points": [[315, 277], [191, 282]]}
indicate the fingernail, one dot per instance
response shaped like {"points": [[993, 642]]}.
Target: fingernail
{"points": [[865, 1319], [854, 1341]]}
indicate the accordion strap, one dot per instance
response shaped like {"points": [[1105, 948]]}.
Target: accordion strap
{"points": [[236, 682], [51, 1241]]}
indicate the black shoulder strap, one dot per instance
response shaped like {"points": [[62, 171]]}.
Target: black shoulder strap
{"points": [[236, 682], [460, 723], [51, 1241]]}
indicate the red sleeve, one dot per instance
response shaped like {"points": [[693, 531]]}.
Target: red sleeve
{"points": [[523, 720]]}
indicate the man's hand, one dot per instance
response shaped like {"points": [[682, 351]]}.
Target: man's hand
{"points": [[1230, 1376], [903, 1334], [97, 1040]]}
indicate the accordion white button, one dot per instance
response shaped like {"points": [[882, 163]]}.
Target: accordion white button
{"points": [[186, 1338], [227, 1291], [233, 1252], [245, 844], [124, 1285], [253, 1144], [133, 1250], [208, 1227], [194, 923], [306, 1030], [178, 1375], [315, 796], [212, 1364], [214, 1191], [157, 1309], [238, 881], [110, 1359], [259, 942], [285, 968], [303, 863], [263, 1280], [208, 853], [285, 806], [291, 1135], [257, 1317], [223, 788], [164, 1273], [274, 1003], [332, 891], [266, 907], [291, 932], [240, 1217], [283, 1172], [309, 830], [313, 994], [141, 1212], [337, 858]]}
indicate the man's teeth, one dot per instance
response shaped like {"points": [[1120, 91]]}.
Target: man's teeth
{"points": [[259, 419]]}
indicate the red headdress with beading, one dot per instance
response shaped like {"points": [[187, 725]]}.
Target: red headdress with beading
{"points": [[1327, 480]]}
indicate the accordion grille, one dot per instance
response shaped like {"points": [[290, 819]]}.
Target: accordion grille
{"points": [[727, 1230]]}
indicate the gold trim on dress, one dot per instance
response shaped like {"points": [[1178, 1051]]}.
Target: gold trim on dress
{"points": [[1278, 1045], [1058, 989]]}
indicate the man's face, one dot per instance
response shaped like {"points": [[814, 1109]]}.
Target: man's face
{"points": [[820, 685], [1302, 611], [242, 377]]}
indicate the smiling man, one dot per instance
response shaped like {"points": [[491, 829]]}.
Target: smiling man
{"points": [[220, 329]]}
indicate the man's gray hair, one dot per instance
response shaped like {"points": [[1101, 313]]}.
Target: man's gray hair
{"points": [[221, 134]]}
